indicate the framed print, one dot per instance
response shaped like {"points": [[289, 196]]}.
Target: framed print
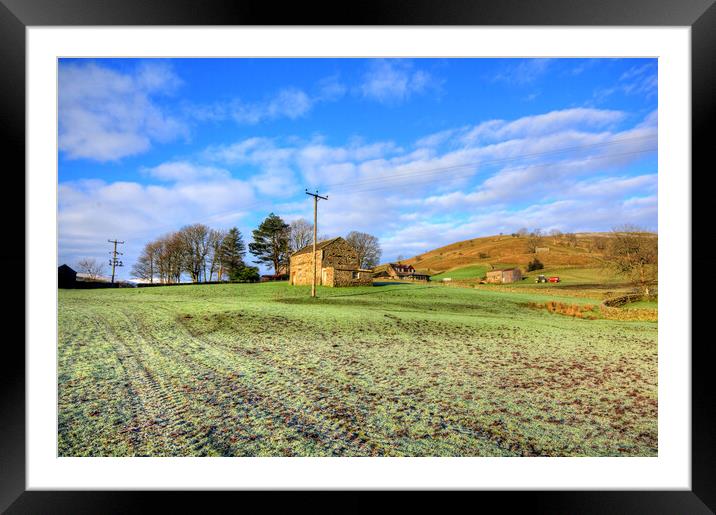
{"points": [[401, 249]]}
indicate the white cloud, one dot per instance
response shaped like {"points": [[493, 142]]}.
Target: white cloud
{"points": [[183, 171], [331, 89], [641, 80], [394, 81], [289, 103], [105, 115], [92, 211], [542, 124], [523, 71], [414, 199]]}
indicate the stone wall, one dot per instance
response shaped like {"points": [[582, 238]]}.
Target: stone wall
{"points": [[503, 276], [511, 276], [340, 254], [494, 276], [302, 268], [352, 277]]}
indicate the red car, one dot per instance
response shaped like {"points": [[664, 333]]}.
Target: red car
{"points": [[553, 279]]}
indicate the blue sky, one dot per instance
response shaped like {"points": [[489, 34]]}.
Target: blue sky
{"points": [[419, 152]]}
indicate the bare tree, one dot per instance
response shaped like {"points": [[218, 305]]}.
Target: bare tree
{"points": [[300, 234], [146, 265], [522, 232], [634, 253], [556, 235], [600, 242], [169, 258], [215, 264], [196, 245], [571, 239], [92, 267], [534, 240], [367, 247]]}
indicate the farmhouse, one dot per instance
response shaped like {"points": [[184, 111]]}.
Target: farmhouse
{"points": [[504, 275], [399, 271], [337, 264]]}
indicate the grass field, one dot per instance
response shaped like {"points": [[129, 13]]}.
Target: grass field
{"points": [[466, 272], [394, 370], [642, 304]]}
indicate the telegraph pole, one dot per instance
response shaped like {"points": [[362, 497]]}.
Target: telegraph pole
{"points": [[114, 261], [315, 196]]}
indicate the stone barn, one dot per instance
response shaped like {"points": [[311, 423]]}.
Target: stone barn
{"points": [[337, 264], [504, 275]]}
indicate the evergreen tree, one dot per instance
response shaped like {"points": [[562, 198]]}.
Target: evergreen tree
{"points": [[245, 274], [232, 251], [270, 243]]}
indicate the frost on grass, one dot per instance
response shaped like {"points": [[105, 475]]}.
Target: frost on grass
{"points": [[264, 370]]}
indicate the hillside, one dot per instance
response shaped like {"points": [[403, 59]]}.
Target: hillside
{"points": [[510, 250]]}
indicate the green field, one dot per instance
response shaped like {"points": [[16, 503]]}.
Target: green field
{"points": [[642, 304], [395, 370], [466, 272]]}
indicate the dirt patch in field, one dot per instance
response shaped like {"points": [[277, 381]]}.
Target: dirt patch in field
{"points": [[642, 315], [586, 311], [237, 322]]}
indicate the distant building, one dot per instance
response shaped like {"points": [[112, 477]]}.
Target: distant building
{"points": [[541, 250], [399, 271], [337, 264], [66, 277], [90, 278], [274, 277], [504, 275]]}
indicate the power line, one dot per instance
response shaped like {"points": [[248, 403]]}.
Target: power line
{"points": [[487, 162], [351, 185], [315, 196], [114, 262], [452, 176]]}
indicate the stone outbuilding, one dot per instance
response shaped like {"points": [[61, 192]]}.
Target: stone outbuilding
{"points": [[337, 264], [504, 275]]}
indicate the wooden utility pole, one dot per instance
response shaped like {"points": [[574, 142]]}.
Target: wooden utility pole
{"points": [[315, 196], [114, 261]]}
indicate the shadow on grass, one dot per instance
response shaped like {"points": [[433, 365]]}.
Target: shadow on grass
{"points": [[399, 286]]}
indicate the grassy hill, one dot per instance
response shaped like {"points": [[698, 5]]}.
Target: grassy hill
{"points": [[506, 250]]}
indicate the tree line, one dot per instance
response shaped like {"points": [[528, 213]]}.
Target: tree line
{"points": [[198, 251], [205, 254]]}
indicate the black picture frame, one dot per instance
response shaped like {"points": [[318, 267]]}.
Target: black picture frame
{"points": [[17, 15]]}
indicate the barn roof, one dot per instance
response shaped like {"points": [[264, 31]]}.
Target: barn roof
{"points": [[319, 245], [384, 268]]}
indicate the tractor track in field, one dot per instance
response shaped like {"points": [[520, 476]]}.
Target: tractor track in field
{"points": [[208, 383], [189, 376], [230, 390], [265, 397], [352, 420], [157, 414]]}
